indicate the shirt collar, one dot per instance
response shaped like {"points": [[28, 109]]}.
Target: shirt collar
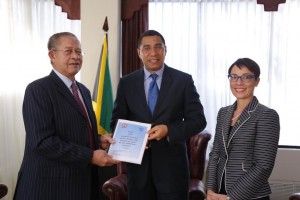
{"points": [[159, 72], [65, 79]]}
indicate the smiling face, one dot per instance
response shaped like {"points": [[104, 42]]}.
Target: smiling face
{"points": [[240, 89], [152, 52], [65, 57]]}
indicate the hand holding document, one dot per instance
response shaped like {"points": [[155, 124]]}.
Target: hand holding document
{"points": [[130, 141]]}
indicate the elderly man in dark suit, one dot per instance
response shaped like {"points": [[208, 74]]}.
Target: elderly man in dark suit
{"points": [[176, 116], [62, 146]]}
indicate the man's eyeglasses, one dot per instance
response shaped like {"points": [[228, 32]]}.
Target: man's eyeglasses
{"points": [[147, 48], [244, 78], [68, 52]]}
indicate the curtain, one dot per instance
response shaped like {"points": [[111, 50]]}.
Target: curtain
{"points": [[270, 5], [205, 37], [134, 16], [25, 29], [71, 7]]}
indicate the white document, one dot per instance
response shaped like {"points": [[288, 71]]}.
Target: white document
{"points": [[130, 141]]}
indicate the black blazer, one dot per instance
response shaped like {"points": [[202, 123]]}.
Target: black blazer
{"points": [[178, 106], [56, 163], [245, 153]]}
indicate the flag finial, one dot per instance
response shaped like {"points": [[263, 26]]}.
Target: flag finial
{"points": [[105, 25]]}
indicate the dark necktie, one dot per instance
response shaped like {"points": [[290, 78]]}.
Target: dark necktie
{"points": [[80, 103], [153, 93]]}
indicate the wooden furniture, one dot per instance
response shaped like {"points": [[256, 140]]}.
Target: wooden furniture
{"points": [[295, 196], [3, 190]]}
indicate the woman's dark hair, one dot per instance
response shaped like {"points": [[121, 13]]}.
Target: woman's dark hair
{"points": [[248, 63], [150, 33]]}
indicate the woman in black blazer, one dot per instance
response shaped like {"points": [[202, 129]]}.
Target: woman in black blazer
{"points": [[246, 141]]}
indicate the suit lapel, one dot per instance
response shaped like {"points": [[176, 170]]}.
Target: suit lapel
{"points": [[163, 92], [239, 123], [86, 99], [140, 90], [164, 88], [244, 117], [227, 124], [64, 91]]}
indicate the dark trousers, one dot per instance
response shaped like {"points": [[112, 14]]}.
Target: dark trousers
{"points": [[149, 192], [95, 191]]}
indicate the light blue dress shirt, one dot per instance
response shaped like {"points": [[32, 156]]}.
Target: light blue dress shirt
{"points": [[148, 79]]}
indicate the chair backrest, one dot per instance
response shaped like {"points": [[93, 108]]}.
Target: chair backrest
{"points": [[3, 190], [197, 146], [295, 196]]}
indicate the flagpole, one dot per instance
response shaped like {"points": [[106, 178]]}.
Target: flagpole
{"points": [[102, 94], [105, 25], [105, 28], [110, 171]]}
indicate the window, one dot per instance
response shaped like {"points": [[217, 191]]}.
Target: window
{"points": [[204, 38]]}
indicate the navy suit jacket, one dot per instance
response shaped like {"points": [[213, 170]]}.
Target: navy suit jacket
{"points": [[178, 106], [56, 163], [245, 153]]}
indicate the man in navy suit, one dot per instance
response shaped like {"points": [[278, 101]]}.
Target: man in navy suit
{"points": [[62, 152], [177, 115]]}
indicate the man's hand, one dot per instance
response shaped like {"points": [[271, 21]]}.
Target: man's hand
{"points": [[101, 158], [157, 132], [105, 140]]}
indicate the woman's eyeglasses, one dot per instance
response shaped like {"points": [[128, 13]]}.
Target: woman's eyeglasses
{"points": [[244, 78]]}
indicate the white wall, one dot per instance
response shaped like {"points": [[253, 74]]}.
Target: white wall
{"points": [[287, 165], [93, 13]]}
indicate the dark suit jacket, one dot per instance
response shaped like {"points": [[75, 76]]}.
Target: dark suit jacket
{"points": [[56, 163], [246, 154], [178, 106]]}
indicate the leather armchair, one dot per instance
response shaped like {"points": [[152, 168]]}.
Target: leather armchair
{"points": [[3, 190], [295, 196], [116, 187]]}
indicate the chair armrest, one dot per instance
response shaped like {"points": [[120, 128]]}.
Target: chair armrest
{"points": [[116, 188], [196, 190], [295, 196]]}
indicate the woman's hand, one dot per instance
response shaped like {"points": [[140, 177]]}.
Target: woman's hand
{"points": [[211, 195]]}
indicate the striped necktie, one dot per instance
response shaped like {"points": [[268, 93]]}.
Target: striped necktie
{"points": [[80, 103]]}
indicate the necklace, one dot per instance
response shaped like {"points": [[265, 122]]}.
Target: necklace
{"points": [[236, 117]]}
